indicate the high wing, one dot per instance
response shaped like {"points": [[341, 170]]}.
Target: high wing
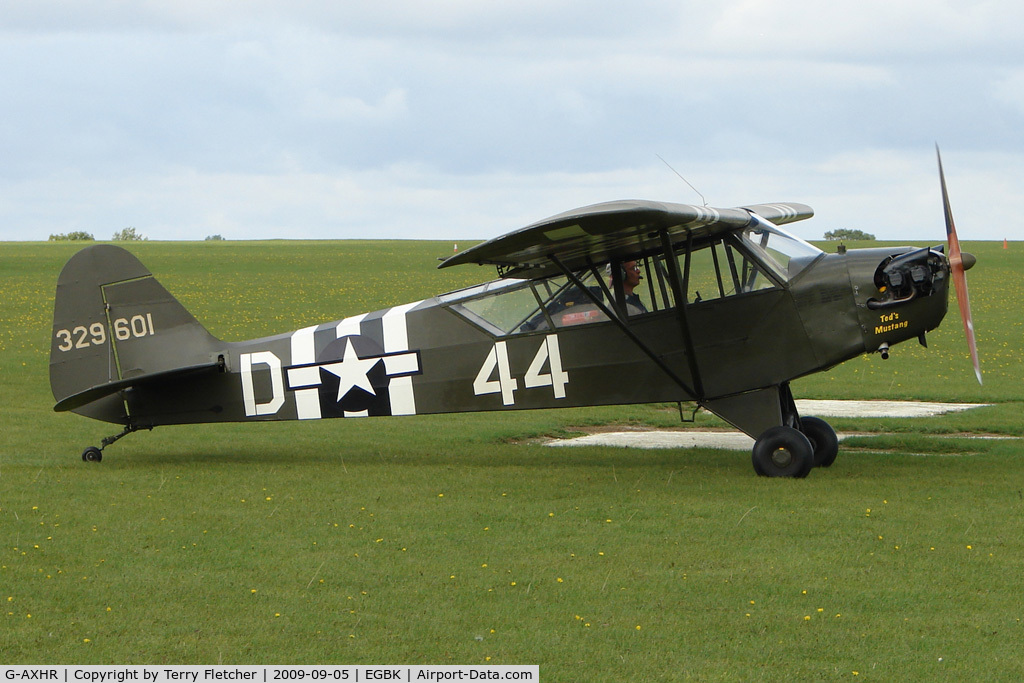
{"points": [[612, 230]]}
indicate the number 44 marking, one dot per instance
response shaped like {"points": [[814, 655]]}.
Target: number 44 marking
{"points": [[507, 385]]}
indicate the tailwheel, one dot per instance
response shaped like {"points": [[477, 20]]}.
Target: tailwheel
{"points": [[94, 454], [824, 441], [783, 452]]}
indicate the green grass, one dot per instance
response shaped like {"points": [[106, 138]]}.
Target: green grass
{"points": [[454, 539]]}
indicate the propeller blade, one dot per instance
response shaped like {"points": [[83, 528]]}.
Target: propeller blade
{"points": [[956, 267]]}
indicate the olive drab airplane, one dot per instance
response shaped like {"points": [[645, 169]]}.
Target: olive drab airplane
{"points": [[616, 303]]}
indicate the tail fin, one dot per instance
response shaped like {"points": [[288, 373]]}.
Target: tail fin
{"points": [[114, 325]]}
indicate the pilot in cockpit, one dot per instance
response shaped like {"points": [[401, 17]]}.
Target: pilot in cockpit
{"points": [[631, 278]]}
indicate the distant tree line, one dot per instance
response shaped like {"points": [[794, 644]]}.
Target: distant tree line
{"points": [[128, 234], [76, 236], [847, 234]]}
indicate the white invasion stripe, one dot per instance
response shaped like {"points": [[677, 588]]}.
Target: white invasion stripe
{"points": [[396, 333], [706, 214], [403, 401], [350, 326], [786, 210], [303, 350], [307, 401], [308, 376], [396, 339], [401, 364]]}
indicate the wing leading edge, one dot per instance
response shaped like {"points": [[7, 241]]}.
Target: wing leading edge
{"points": [[602, 232]]}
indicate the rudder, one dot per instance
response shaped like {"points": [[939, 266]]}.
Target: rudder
{"points": [[113, 321]]}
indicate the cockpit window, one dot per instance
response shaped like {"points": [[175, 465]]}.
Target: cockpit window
{"points": [[781, 252], [528, 306]]}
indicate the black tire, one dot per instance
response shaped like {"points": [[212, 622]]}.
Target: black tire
{"points": [[783, 452], [92, 454], [823, 440]]}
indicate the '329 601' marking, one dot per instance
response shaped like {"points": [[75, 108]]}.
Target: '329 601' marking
{"points": [[82, 337]]}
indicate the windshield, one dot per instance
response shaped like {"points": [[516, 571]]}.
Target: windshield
{"points": [[785, 254]]}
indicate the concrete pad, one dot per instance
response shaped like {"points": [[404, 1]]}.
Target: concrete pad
{"points": [[732, 441], [880, 408], [729, 440]]}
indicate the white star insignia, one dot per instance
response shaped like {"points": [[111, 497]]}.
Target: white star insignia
{"points": [[352, 371]]}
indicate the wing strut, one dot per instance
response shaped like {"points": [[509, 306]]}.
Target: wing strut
{"points": [[622, 326], [679, 288]]}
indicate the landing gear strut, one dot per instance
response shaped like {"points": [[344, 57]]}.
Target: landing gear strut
{"points": [[94, 454]]}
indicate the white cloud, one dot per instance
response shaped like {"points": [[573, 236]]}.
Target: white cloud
{"points": [[333, 119]]}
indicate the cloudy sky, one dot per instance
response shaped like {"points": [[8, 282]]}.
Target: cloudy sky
{"points": [[463, 119]]}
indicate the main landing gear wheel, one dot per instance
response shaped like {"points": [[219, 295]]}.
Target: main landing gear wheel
{"points": [[823, 440], [783, 452], [92, 454]]}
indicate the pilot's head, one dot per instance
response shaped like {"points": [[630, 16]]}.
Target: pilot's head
{"points": [[630, 275]]}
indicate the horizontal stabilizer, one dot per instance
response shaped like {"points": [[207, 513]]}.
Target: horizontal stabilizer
{"points": [[106, 389]]}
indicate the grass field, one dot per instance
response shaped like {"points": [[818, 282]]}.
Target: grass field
{"points": [[455, 540]]}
